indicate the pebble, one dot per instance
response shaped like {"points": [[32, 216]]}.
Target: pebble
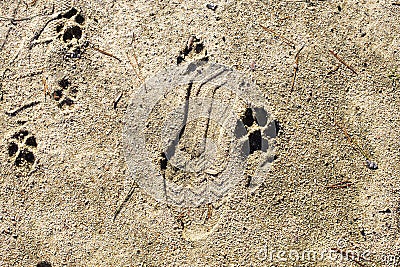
{"points": [[371, 165], [213, 7]]}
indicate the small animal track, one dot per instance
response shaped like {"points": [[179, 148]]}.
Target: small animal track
{"points": [[65, 95], [256, 129], [66, 47], [193, 45], [71, 33], [69, 44], [20, 148]]}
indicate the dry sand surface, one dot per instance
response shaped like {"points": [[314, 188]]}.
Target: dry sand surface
{"points": [[82, 81]]}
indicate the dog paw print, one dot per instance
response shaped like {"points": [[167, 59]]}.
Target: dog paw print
{"points": [[71, 33], [20, 148], [65, 95], [257, 131], [255, 127]]}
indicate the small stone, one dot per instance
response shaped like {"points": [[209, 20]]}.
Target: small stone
{"points": [[371, 165], [211, 172], [213, 7]]}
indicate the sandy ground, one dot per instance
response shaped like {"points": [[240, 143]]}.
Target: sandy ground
{"points": [[63, 170]]}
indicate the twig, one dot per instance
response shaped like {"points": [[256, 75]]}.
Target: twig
{"points": [[137, 64], [45, 87], [127, 198], [284, 39], [106, 53], [353, 142], [396, 4], [296, 66], [344, 184], [117, 100], [138, 72], [15, 112], [13, 20], [370, 164], [342, 61], [5, 39], [209, 212], [25, 75], [134, 68]]}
